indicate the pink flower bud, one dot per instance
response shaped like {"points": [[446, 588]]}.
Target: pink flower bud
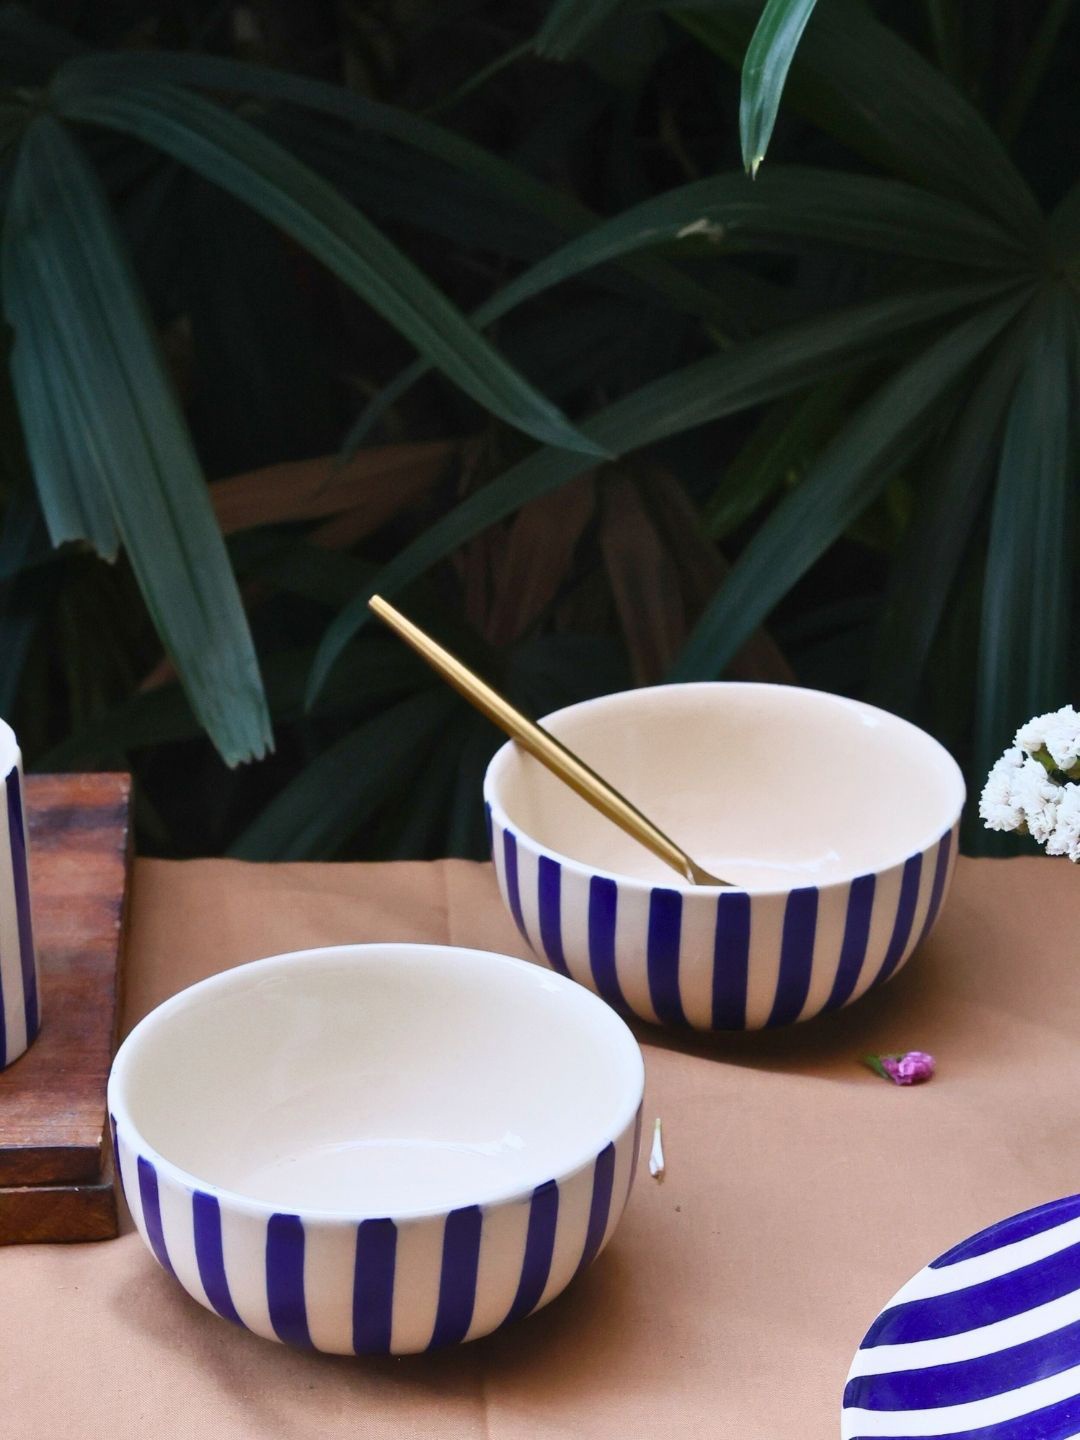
{"points": [[911, 1068]]}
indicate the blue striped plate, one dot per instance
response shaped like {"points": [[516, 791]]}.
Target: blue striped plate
{"points": [[984, 1344]]}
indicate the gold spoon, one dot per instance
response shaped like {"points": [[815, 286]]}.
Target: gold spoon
{"points": [[549, 751]]}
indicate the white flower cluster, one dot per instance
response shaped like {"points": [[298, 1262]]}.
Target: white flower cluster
{"points": [[1033, 788]]}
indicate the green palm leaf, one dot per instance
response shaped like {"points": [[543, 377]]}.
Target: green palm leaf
{"points": [[1028, 588], [765, 69], [333, 797], [508, 183], [788, 209], [835, 491], [238, 157], [866, 86], [569, 24], [90, 369], [750, 374]]}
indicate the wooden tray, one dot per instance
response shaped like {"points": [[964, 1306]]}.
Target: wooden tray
{"points": [[55, 1155]]}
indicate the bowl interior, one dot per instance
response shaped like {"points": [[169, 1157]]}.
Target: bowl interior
{"points": [[379, 1080], [768, 786]]}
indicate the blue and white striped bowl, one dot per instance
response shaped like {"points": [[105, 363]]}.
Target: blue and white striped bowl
{"points": [[20, 1006], [836, 820], [377, 1148], [984, 1344]]}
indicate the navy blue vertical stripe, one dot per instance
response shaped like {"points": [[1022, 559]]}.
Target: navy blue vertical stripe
{"points": [[151, 1209], [489, 826], [1054, 1422], [539, 1248], [21, 876], [510, 871], [937, 889], [860, 909], [731, 955], [599, 1207], [662, 956], [796, 956], [635, 1154], [210, 1255], [285, 1279], [603, 904], [116, 1155], [373, 1286], [549, 888], [457, 1280], [905, 914]]}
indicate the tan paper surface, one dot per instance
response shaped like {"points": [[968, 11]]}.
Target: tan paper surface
{"points": [[801, 1192]]}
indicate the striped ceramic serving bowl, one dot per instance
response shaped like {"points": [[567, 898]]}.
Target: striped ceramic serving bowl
{"points": [[984, 1344], [835, 823], [377, 1148]]}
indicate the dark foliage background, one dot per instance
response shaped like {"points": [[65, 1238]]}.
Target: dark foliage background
{"points": [[864, 438]]}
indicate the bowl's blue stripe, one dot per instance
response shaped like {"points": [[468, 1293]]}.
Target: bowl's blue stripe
{"points": [[1008, 1232], [1053, 1422], [457, 1281], [539, 1248], [983, 1304], [662, 955], [731, 959], [860, 910], [603, 906], [599, 1206], [937, 889], [21, 877], [151, 1209], [549, 900], [116, 1156], [796, 956], [285, 1279], [905, 914], [635, 1155], [489, 825], [959, 1382], [1060, 1422], [209, 1256], [513, 889], [373, 1286]]}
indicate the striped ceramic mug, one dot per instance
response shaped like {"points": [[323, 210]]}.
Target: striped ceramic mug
{"points": [[20, 1006]]}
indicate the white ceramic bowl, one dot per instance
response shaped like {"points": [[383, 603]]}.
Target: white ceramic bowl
{"points": [[377, 1148], [835, 820]]}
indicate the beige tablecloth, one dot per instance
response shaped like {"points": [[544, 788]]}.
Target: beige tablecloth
{"points": [[801, 1192]]}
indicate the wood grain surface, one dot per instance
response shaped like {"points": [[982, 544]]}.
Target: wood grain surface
{"points": [[55, 1171]]}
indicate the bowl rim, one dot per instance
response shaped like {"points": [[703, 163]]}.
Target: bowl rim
{"points": [[500, 759], [236, 975]]}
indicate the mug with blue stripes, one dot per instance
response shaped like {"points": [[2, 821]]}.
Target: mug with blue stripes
{"points": [[835, 822], [20, 1003]]}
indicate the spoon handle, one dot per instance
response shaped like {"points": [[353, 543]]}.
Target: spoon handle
{"points": [[539, 743]]}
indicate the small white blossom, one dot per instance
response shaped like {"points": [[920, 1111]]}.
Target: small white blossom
{"points": [[1066, 837], [999, 806], [1038, 797], [1058, 732]]}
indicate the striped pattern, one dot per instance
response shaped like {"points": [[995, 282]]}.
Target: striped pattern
{"points": [[984, 1344], [20, 1014], [376, 1286], [727, 961]]}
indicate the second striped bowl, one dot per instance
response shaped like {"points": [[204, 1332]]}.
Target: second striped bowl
{"points": [[377, 1148], [835, 821]]}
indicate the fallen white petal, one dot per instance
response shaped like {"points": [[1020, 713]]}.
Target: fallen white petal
{"points": [[656, 1154]]}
